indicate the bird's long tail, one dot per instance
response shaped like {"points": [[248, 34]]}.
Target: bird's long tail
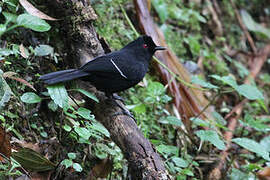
{"points": [[62, 76]]}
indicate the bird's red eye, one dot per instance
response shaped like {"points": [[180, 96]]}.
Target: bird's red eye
{"points": [[145, 46]]}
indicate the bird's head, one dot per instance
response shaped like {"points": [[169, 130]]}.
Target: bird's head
{"points": [[149, 45], [144, 46]]}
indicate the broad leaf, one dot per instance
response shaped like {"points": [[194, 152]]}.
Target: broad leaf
{"points": [[229, 80], [71, 155], [33, 22], [32, 160], [43, 50], [252, 25], [252, 146], [249, 91], [88, 94], [167, 150], [200, 122], [155, 89], [100, 128], [161, 9], [171, 120], [77, 167], [30, 98], [59, 95], [180, 162], [67, 163], [201, 82], [258, 124], [212, 137], [265, 142], [85, 113], [10, 17], [82, 132]]}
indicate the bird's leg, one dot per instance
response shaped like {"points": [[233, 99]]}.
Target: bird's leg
{"points": [[124, 111], [114, 98]]}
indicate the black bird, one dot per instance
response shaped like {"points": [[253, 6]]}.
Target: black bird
{"points": [[115, 71]]}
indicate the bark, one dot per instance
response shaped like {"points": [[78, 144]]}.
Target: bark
{"points": [[83, 44]]}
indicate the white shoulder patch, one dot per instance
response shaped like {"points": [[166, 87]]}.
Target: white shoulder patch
{"points": [[118, 69]]}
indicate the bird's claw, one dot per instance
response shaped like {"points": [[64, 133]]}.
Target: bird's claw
{"points": [[119, 98], [126, 113]]}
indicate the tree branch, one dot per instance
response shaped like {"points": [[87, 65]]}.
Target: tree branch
{"points": [[144, 161]]}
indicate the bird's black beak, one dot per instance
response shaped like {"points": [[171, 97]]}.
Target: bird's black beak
{"points": [[159, 48]]}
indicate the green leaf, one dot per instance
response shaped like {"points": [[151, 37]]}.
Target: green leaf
{"points": [[85, 113], [249, 91], [252, 146], [242, 70], [59, 95], [180, 162], [171, 120], [71, 155], [83, 132], [33, 22], [167, 150], [100, 128], [138, 108], [32, 160], [3, 29], [229, 80], [161, 8], [44, 134], [252, 25], [155, 89], [219, 118], [10, 17], [262, 104], [30, 98], [88, 94], [212, 137], [101, 150], [43, 50], [5, 52], [52, 106], [200, 122], [194, 44], [239, 175], [257, 124], [187, 172], [67, 163], [67, 128], [201, 82], [77, 167], [5, 91], [265, 142]]}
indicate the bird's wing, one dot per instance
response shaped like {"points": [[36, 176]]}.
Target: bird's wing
{"points": [[118, 69], [107, 65]]}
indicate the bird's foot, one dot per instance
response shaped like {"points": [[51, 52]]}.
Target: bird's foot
{"points": [[123, 110], [116, 97], [126, 113]]}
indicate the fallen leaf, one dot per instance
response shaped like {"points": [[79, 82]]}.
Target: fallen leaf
{"points": [[5, 147], [29, 145], [22, 50], [264, 174], [34, 11], [8, 74], [31, 160], [11, 74]]}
